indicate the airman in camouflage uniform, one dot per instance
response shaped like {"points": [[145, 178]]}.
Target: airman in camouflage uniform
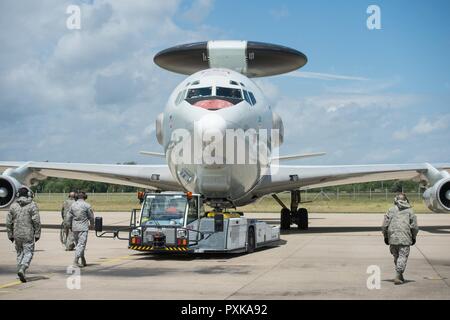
{"points": [[79, 218], [400, 231], [23, 226], [69, 241]]}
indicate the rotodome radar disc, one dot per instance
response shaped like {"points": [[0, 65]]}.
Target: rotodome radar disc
{"points": [[253, 59]]}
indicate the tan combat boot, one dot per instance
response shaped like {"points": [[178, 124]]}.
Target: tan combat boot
{"points": [[83, 261], [77, 263], [398, 278], [21, 273]]}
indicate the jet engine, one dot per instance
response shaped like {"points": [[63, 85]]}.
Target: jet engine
{"points": [[8, 190], [437, 198], [160, 129]]}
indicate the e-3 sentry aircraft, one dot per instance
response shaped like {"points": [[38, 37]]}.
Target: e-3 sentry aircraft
{"points": [[219, 96]]}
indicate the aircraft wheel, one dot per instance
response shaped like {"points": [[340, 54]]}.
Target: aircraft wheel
{"points": [[302, 219], [251, 240], [285, 222]]}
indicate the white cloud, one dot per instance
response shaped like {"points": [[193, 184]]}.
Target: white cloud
{"points": [[92, 95], [270, 90], [323, 76], [424, 127], [149, 130], [280, 13], [199, 10], [85, 95], [368, 127], [335, 102], [401, 134]]}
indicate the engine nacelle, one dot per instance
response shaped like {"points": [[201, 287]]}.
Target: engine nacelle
{"points": [[160, 128], [437, 198], [8, 190]]}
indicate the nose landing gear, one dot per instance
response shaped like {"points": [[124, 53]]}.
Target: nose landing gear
{"points": [[294, 215]]}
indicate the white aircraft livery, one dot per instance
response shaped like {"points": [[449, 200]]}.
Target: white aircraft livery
{"points": [[220, 137]]}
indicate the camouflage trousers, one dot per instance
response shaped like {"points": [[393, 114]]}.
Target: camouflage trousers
{"points": [[80, 238], [400, 254], [25, 251], [70, 242]]}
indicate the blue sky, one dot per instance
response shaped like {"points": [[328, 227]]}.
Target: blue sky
{"points": [[91, 95]]}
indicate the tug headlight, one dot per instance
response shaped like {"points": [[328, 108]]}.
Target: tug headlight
{"points": [[181, 233]]}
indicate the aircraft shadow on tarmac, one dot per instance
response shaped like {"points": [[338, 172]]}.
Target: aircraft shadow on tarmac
{"points": [[347, 229]]}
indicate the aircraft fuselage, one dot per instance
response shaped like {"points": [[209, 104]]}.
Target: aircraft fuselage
{"points": [[209, 106]]}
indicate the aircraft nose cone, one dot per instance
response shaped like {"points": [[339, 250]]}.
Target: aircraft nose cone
{"points": [[212, 124], [211, 130], [3, 193]]}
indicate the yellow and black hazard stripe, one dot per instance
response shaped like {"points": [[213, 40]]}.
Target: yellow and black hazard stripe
{"points": [[151, 248]]}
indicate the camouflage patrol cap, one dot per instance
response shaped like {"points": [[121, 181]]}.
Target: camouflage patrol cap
{"points": [[401, 201], [24, 192], [82, 195]]}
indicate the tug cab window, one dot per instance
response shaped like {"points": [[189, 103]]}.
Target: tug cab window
{"points": [[199, 92], [164, 210]]}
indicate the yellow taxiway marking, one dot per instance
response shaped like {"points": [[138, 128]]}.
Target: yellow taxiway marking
{"points": [[7, 285]]}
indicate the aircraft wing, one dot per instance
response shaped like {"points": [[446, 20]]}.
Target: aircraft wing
{"points": [[285, 178], [143, 176]]}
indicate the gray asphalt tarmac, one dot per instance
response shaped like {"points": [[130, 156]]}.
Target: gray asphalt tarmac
{"points": [[330, 261]]}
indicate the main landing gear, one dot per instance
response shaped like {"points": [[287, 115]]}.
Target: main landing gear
{"points": [[294, 215]]}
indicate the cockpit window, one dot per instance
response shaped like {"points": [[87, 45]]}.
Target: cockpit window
{"points": [[199, 92], [180, 97], [247, 97], [228, 93], [252, 97]]}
